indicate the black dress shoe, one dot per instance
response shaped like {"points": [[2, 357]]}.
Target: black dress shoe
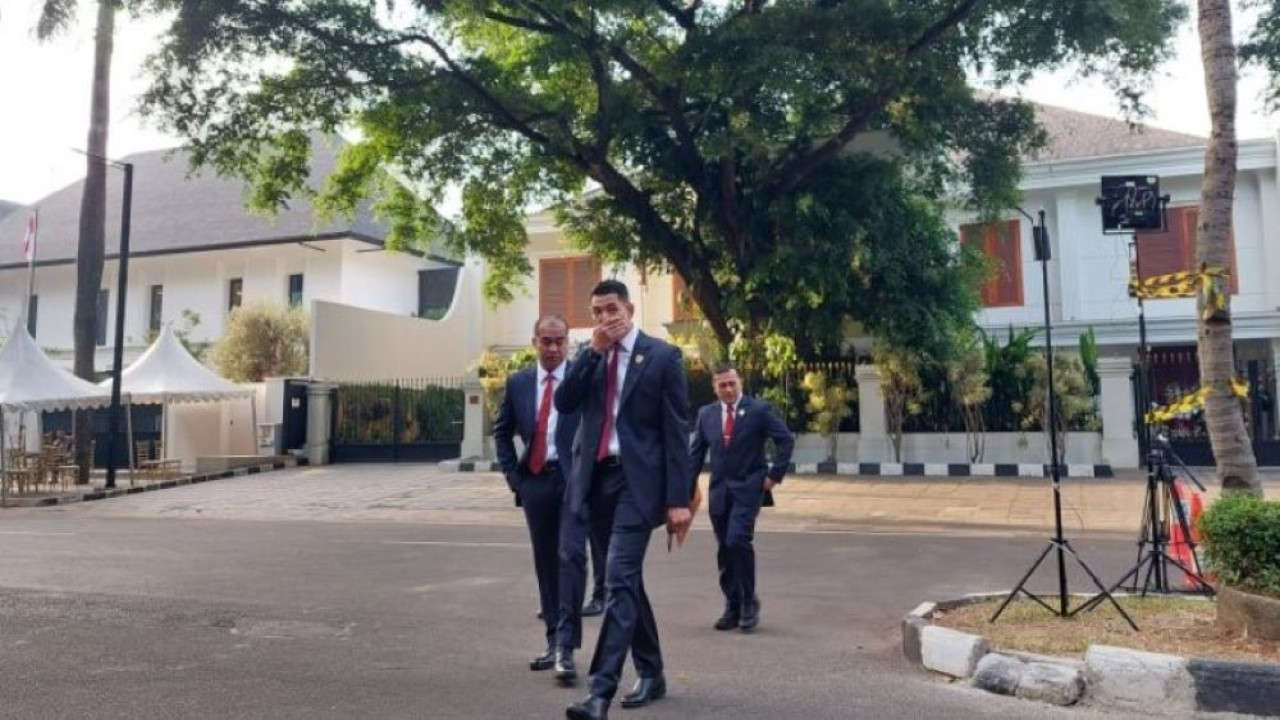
{"points": [[593, 608], [566, 671], [750, 616], [729, 620], [543, 661], [645, 691], [588, 708]]}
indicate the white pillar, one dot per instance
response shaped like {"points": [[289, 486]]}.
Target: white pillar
{"points": [[473, 419], [873, 435], [319, 419], [1119, 437]]}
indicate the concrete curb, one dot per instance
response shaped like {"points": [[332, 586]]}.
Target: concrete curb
{"points": [[104, 494], [1002, 470], [1114, 677]]}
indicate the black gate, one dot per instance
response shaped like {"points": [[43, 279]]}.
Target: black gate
{"points": [[1174, 372], [417, 420]]}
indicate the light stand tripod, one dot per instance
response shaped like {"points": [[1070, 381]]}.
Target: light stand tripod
{"points": [[1040, 237]]}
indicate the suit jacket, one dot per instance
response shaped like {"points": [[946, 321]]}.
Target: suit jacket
{"points": [[741, 467], [651, 424], [518, 415]]}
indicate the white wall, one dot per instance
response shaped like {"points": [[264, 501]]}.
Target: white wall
{"points": [[349, 343], [199, 282]]}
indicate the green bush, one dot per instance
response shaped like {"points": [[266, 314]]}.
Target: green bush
{"points": [[1241, 535]]}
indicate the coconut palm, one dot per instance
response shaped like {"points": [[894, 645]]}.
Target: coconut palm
{"points": [[1236, 465], [57, 16]]}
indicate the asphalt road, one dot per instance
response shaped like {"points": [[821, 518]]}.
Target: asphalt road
{"points": [[110, 614]]}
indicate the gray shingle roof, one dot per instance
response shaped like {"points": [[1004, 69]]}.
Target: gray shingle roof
{"points": [[7, 207], [1074, 134], [174, 214]]}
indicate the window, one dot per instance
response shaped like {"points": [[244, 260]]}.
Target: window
{"points": [[104, 302], [683, 306], [435, 291], [295, 290], [564, 288], [1001, 244], [235, 293], [33, 305], [1174, 249], [156, 311]]}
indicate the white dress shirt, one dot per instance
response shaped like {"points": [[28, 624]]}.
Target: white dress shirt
{"points": [[623, 348], [539, 388]]}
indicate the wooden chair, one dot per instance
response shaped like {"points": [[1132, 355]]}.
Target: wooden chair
{"points": [[59, 467], [20, 472], [144, 459]]}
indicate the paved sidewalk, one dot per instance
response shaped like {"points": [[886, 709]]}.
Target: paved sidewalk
{"points": [[427, 494], [1016, 504]]}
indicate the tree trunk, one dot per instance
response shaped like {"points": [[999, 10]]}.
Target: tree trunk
{"points": [[1232, 449], [93, 205]]}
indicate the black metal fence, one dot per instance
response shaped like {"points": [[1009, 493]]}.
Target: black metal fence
{"points": [[419, 419]]}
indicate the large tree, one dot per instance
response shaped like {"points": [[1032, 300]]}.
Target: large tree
{"points": [[57, 16], [1232, 448], [787, 158]]}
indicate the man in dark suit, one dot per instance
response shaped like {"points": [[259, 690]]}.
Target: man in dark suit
{"points": [[537, 476], [735, 429], [629, 469]]}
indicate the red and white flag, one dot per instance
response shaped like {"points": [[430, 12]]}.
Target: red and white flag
{"points": [[29, 240]]}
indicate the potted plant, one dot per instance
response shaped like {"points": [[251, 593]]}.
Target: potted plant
{"points": [[1241, 540]]}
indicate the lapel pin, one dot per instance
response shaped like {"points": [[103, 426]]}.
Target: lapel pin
{"points": [[639, 359]]}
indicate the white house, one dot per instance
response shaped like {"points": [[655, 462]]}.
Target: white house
{"points": [[194, 248], [1087, 275]]}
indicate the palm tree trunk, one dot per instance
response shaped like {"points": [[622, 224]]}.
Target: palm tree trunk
{"points": [[1232, 449], [93, 205]]}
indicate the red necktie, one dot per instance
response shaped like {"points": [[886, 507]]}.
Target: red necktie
{"points": [[538, 453], [610, 396], [728, 423]]}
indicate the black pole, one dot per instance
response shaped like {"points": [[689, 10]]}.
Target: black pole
{"points": [[122, 284], [1041, 235]]}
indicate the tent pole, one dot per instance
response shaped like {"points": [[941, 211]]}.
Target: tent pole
{"points": [[4, 457], [128, 420]]}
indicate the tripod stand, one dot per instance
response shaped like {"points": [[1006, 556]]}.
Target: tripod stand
{"points": [[1040, 236], [1163, 506]]}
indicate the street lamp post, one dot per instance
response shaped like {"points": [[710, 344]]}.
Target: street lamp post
{"points": [[122, 285], [122, 288]]}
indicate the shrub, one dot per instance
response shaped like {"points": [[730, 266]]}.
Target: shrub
{"points": [[262, 339], [1241, 535]]}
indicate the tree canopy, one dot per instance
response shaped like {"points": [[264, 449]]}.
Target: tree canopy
{"points": [[790, 159]]}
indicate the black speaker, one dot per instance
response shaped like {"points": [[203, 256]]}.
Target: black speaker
{"points": [[1131, 203]]}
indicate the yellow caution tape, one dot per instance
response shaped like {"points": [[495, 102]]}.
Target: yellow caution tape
{"points": [[1191, 402]]}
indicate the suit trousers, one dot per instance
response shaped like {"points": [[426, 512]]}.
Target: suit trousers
{"points": [[574, 533], [628, 622], [542, 497], [735, 527]]}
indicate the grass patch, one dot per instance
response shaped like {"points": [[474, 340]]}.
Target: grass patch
{"points": [[1175, 626]]}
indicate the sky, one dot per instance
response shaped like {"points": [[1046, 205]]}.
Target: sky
{"points": [[44, 99]]}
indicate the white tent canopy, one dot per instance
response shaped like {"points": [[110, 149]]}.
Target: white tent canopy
{"points": [[167, 373], [30, 381]]}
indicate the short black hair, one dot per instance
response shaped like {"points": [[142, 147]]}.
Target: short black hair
{"points": [[611, 287], [723, 367], [552, 317]]}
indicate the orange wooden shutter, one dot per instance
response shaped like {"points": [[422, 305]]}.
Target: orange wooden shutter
{"points": [[553, 287], [1001, 243], [584, 273], [1174, 249]]}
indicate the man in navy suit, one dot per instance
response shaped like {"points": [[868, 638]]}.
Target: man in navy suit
{"points": [[629, 469], [735, 429], [537, 476]]}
